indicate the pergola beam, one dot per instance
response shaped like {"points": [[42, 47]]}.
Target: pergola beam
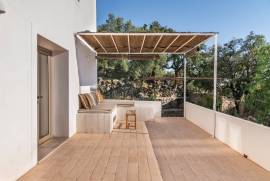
{"points": [[153, 34], [100, 44], [86, 44], [189, 50], [138, 53], [128, 44], [157, 43], [114, 43], [171, 43], [142, 43], [185, 43]]}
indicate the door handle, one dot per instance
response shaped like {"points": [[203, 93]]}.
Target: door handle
{"points": [[39, 97]]}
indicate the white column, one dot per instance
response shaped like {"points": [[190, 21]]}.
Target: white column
{"points": [[215, 82], [215, 75], [185, 85]]}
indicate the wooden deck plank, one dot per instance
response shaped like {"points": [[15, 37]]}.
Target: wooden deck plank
{"points": [[133, 164], [185, 151], [122, 155], [121, 171], [171, 148]]}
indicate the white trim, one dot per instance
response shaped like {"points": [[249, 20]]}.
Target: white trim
{"points": [[138, 53], [194, 36], [128, 44], [215, 83], [156, 34], [157, 43], [196, 46], [215, 75], [142, 43], [114, 43], [100, 44], [185, 85], [171, 43]]}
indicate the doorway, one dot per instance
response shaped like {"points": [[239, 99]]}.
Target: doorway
{"points": [[43, 95], [52, 96]]}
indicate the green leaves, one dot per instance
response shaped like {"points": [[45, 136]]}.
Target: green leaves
{"points": [[243, 71]]}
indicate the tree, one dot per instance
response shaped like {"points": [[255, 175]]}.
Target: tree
{"points": [[237, 67], [243, 71], [258, 100], [116, 24], [138, 69], [176, 63], [200, 66]]}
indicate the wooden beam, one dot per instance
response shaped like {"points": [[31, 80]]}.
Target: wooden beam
{"points": [[195, 46], [128, 44], [100, 44], [185, 43], [153, 34], [171, 43], [142, 43], [86, 44], [114, 43], [137, 53], [157, 43]]}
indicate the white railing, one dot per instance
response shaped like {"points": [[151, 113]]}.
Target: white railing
{"points": [[245, 137]]}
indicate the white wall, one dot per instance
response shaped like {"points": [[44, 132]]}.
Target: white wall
{"points": [[17, 131], [59, 95], [87, 65], [147, 110], [56, 21], [202, 117], [243, 136]]}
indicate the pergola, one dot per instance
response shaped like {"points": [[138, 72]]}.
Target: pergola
{"points": [[149, 46]]}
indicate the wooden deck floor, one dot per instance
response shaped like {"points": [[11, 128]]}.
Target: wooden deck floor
{"points": [[123, 155], [45, 148], [185, 152]]}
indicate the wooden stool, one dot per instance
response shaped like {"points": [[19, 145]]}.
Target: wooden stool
{"points": [[130, 113]]}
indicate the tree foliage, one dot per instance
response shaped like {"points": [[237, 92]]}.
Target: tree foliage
{"points": [[243, 71], [132, 69], [258, 99], [238, 62]]}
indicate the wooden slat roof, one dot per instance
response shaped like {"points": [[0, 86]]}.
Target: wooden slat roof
{"points": [[143, 45]]}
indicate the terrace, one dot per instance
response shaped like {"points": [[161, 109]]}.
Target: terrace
{"points": [[202, 145]]}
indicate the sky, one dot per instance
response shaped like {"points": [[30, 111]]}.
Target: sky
{"points": [[231, 18]]}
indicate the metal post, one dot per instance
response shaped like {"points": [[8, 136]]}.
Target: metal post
{"points": [[215, 82], [185, 85]]}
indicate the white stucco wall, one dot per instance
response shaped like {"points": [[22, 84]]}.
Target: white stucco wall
{"points": [[59, 83], [243, 136], [87, 65], [56, 21], [202, 117]]}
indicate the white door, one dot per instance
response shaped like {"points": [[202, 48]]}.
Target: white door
{"points": [[43, 97]]}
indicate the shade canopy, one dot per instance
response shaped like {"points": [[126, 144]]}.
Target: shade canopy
{"points": [[136, 46]]}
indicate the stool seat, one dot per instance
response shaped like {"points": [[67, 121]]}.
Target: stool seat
{"points": [[130, 113]]}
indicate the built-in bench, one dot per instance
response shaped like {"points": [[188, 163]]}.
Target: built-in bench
{"points": [[101, 118]]}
